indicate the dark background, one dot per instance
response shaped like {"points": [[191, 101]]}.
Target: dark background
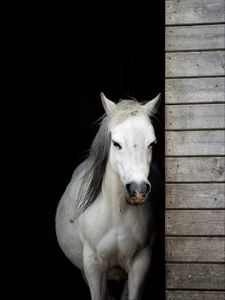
{"points": [[56, 62]]}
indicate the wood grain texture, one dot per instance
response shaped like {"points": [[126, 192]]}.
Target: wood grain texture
{"points": [[195, 249], [202, 195], [195, 222], [184, 64], [199, 116], [195, 149], [195, 37], [195, 169], [194, 90], [194, 11], [195, 295], [195, 276], [195, 142]]}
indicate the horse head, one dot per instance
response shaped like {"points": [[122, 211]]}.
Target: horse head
{"points": [[132, 139]]}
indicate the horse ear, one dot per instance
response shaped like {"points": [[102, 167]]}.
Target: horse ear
{"points": [[153, 104], [108, 105]]}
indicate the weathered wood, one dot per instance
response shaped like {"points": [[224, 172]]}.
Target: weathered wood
{"points": [[195, 37], [195, 222], [194, 146], [211, 195], [192, 90], [195, 169], [184, 64], [195, 249], [194, 11], [195, 276], [195, 142], [199, 116], [194, 295]]}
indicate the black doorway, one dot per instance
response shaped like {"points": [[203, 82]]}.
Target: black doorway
{"points": [[57, 61]]}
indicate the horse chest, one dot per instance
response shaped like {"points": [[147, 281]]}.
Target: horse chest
{"points": [[115, 239], [118, 245]]}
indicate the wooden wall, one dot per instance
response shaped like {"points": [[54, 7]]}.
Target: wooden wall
{"points": [[195, 150]]}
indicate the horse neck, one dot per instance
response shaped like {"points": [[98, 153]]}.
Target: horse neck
{"points": [[113, 189]]}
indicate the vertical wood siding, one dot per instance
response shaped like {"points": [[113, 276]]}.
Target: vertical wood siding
{"points": [[195, 149]]}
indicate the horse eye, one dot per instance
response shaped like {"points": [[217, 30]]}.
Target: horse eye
{"points": [[151, 144], [117, 145]]}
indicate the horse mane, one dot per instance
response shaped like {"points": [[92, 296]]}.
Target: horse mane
{"points": [[98, 154]]}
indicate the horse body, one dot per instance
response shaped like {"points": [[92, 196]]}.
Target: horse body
{"points": [[107, 233]]}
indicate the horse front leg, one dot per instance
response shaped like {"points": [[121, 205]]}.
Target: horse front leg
{"points": [[95, 275], [137, 273]]}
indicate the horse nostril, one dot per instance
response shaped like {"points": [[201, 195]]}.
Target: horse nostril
{"points": [[128, 187], [132, 188]]}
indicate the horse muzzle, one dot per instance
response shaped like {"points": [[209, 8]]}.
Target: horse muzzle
{"points": [[137, 193]]}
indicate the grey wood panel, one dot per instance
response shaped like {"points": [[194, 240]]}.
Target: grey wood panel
{"points": [[195, 295], [195, 169], [192, 90], [195, 142], [195, 37], [195, 276], [195, 249], [201, 195], [195, 70], [195, 222], [194, 11], [184, 64], [199, 116]]}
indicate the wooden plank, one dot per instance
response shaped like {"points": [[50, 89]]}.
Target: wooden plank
{"points": [[195, 295], [195, 142], [194, 11], [195, 169], [195, 276], [192, 90], [202, 195], [195, 37], [199, 116], [184, 64], [195, 249], [195, 222]]}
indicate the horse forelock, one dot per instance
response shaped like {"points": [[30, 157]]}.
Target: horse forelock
{"points": [[124, 110]]}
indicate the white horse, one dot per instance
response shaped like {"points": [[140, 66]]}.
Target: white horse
{"points": [[104, 221]]}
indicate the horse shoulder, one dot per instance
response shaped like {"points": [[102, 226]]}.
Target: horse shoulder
{"points": [[67, 204], [71, 192]]}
